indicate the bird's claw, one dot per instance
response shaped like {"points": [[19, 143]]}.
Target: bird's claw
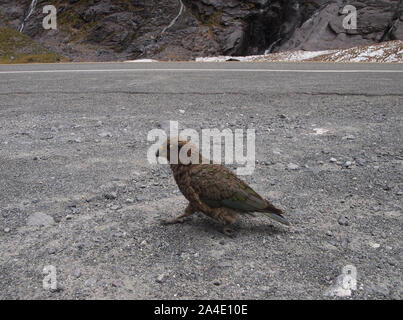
{"points": [[172, 221], [228, 232]]}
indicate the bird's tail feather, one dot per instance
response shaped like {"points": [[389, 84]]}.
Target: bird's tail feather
{"points": [[274, 213], [277, 217]]}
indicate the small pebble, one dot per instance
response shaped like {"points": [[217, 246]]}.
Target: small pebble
{"points": [[77, 274], [347, 164], [105, 135], [90, 282], [111, 195], [374, 245], [160, 278], [292, 166], [343, 221]]}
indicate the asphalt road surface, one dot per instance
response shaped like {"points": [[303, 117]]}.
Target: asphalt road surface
{"points": [[79, 198]]}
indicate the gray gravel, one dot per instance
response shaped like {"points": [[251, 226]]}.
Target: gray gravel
{"points": [[78, 193]]}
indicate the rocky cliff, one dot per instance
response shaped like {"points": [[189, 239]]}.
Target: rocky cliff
{"points": [[184, 29]]}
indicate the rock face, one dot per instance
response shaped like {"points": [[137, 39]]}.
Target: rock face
{"points": [[376, 21], [124, 29]]}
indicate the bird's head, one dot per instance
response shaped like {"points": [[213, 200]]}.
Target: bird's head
{"points": [[178, 150]]}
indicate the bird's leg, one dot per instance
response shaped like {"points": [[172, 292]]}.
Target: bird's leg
{"points": [[227, 230], [178, 219], [228, 217], [188, 211]]}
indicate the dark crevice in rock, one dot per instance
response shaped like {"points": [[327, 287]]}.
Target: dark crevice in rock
{"points": [[397, 19], [262, 30]]}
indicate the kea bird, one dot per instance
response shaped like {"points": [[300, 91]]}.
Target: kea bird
{"points": [[213, 189]]}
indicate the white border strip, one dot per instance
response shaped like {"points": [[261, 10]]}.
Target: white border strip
{"points": [[199, 70]]}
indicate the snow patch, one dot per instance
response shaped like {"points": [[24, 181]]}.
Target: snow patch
{"points": [[384, 52]]}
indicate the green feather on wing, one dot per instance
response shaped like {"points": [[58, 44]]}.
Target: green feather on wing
{"points": [[241, 199], [219, 187], [245, 200]]}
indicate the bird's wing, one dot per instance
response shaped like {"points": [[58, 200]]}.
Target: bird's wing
{"points": [[217, 186]]}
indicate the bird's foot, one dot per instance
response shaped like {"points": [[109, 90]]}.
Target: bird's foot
{"points": [[172, 221], [228, 231]]}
